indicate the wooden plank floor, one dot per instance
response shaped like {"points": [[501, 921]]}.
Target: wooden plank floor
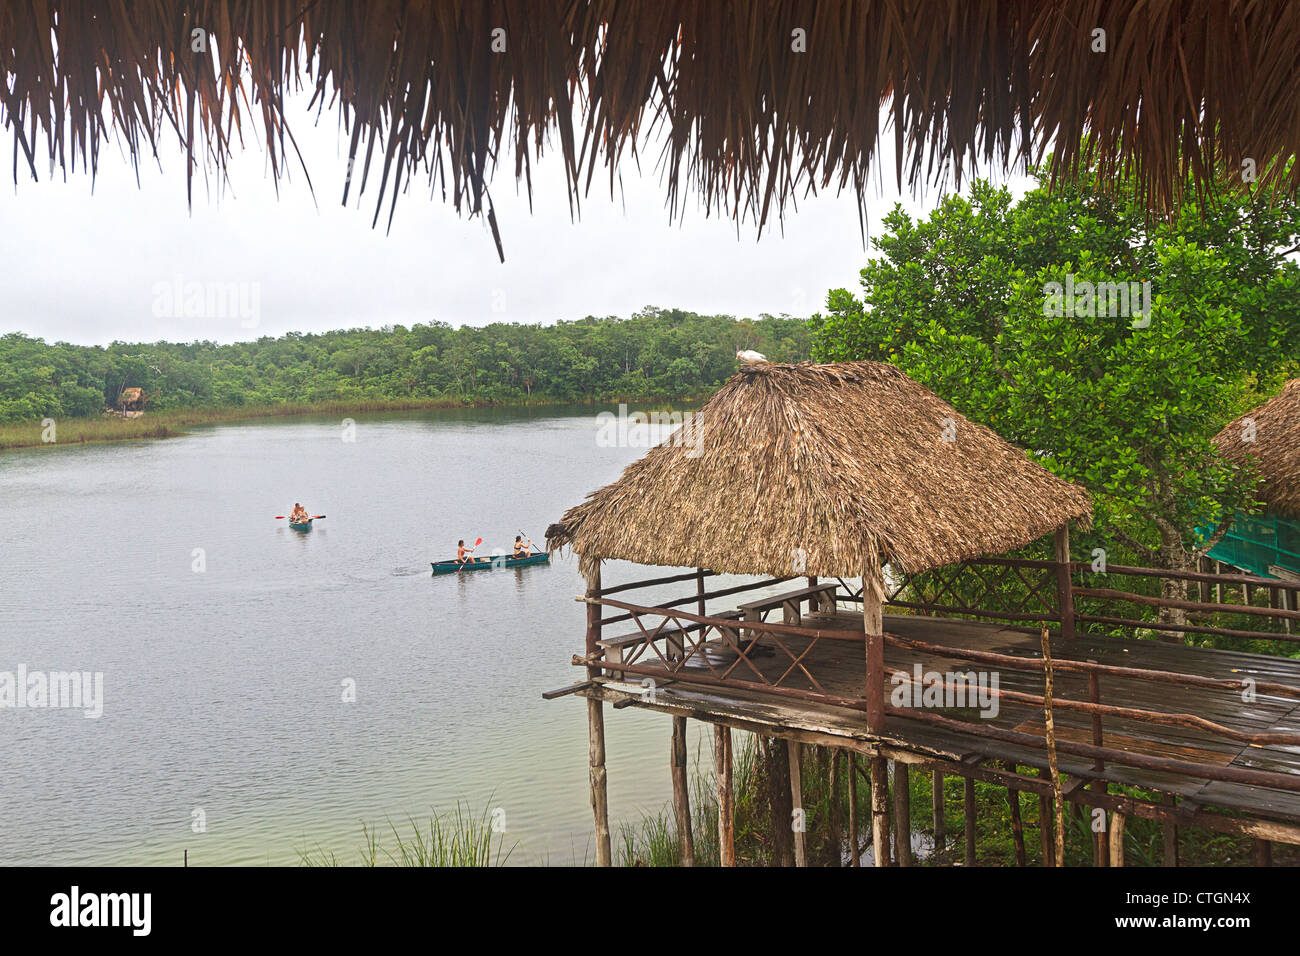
{"points": [[839, 667]]}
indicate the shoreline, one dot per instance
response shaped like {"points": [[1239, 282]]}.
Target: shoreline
{"points": [[173, 423]]}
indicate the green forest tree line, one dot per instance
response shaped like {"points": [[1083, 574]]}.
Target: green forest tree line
{"points": [[655, 354]]}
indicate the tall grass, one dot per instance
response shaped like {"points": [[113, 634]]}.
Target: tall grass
{"points": [[455, 838]]}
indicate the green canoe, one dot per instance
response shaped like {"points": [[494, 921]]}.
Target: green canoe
{"points": [[451, 567], [306, 526]]}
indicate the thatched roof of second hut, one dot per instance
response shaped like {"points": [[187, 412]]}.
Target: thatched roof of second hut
{"points": [[1269, 438], [831, 464]]}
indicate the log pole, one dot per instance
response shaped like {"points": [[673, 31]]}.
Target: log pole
{"points": [[1064, 591], [726, 823], [854, 857], [880, 810], [797, 820], [902, 814], [682, 794], [937, 806], [599, 792], [968, 801]]}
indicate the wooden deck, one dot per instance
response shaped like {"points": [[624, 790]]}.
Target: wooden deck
{"points": [[839, 667]]}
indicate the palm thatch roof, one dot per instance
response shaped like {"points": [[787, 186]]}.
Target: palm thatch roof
{"points": [[845, 465], [1268, 439], [758, 102]]}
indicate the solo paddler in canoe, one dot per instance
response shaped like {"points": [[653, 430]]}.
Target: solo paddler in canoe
{"points": [[299, 518], [522, 556]]}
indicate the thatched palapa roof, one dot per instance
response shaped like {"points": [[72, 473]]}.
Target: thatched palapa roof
{"points": [[846, 461], [758, 102], [1274, 448]]}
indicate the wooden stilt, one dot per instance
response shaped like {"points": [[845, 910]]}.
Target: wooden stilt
{"points": [[940, 817], [1064, 591], [880, 810], [854, 858], [873, 590], [902, 814], [837, 815], [1045, 827], [1170, 832], [1263, 853], [968, 800], [776, 774], [797, 821], [726, 823], [1017, 825], [682, 794], [599, 794], [1117, 821]]}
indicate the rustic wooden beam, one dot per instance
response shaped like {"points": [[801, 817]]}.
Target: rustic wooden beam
{"points": [[797, 821], [726, 822], [902, 815], [1149, 601], [682, 794], [880, 810]]}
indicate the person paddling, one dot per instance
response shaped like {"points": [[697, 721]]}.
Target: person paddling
{"points": [[299, 514], [464, 555], [523, 550]]}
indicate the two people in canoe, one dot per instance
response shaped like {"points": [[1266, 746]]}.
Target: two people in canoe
{"points": [[299, 515], [465, 553]]}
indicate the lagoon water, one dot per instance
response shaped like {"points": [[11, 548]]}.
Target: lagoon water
{"points": [[227, 642]]}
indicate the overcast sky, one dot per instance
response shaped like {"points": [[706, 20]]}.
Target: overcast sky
{"points": [[85, 267]]}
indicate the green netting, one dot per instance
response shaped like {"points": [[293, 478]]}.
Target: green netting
{"points": [[1256, 544]]}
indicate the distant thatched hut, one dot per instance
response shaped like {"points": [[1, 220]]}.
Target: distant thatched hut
{"points": [[130, 404], [1268, 440], [842, 467]]}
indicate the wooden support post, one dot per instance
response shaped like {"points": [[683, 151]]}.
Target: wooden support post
{"points": [[596, 728], [968, 801], [1263, 853], [1017, 824], [699, 590], [812, 598], [837, 816], [1170, 833], [1218, 585], [797, 819], [880, 810], [1045, 828], [940, 817], [902, 814], [1203, 565], [599, 792], [682, 794], [1100, 851], [873, 629], [726, 823], [1117, 821], [1064, 590], [854, 859]]}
